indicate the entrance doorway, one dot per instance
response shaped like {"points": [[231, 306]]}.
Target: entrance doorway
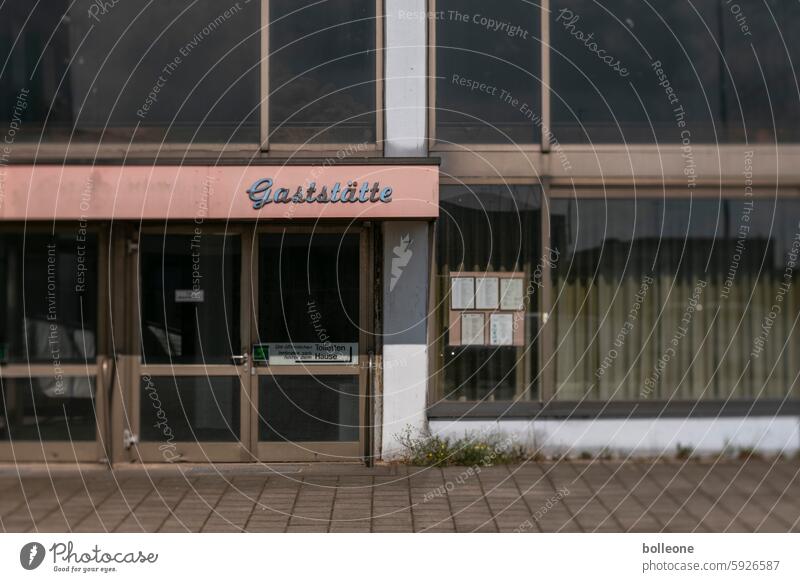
{"points": [[254, 344]]}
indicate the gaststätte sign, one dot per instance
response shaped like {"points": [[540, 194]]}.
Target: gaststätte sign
{"points": [[236, 192], [264, 191]]}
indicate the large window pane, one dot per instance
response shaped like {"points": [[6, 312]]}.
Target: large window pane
{"points": [[322, 71], [490, 232], [190, 293], [683, 299], [487, 69], [134, 70], [48, 297], [624, 70]]}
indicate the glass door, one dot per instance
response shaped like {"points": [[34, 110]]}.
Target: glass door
{"points": [[53, 378], [192, 384], [309, 343]]}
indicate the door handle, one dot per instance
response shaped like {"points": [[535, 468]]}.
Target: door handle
{"points": [[239, 360]]}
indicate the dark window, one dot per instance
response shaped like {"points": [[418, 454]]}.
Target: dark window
{"points": [[190, 294], [190, 408], [634, 71], [308, 408], [309, 288], [49, 408], [487, 71], [134, 70], [488, 231], [322, 71], [683, 299], [48, 297]]}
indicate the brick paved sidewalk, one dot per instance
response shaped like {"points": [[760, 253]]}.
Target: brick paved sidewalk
{"points": [[759, 495]]}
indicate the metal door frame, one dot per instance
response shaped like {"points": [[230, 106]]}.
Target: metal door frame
{"points": [[353, 451]]}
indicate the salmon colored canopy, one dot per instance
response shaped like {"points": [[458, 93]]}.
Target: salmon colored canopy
{"points": [[50, 192]]}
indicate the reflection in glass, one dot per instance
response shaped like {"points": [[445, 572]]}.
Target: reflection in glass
{"points": [[665, 300], [308, 408], [48, 297], [488, 85], [488, 229], [89, 70], [190, 293], [190, 408], [634, 71], [322, 71], [48, 408]]}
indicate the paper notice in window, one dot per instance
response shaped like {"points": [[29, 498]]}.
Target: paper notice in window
{"points": [[501, 329], [511, 295], [486, 293], [472, 329], [462, 292]]}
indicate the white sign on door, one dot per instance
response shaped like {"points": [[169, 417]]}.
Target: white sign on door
{"points": [[299, 354]]}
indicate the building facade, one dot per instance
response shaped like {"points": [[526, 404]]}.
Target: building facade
{"points": [[290, 231]]}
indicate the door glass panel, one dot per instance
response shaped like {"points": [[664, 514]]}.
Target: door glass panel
{"points": [[308, 408], [48, 297], [190, 293], [48, 408], [308, 288], [190, 408]]}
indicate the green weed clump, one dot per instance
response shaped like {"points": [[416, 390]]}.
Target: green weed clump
{"points": [[470, 451]]}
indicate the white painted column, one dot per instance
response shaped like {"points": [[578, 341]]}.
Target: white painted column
{"points": [[405, 331], [405, 71], [405, 244]]}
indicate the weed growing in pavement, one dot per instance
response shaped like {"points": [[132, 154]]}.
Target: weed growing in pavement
{"points": [[474, 451]]}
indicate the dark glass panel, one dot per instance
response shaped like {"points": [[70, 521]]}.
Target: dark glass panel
{"points": [[190, 296], [700, 70], [134, 70], [48, 297], [308, 408], [190, 408], [487, 69], [322, 71], [309, 288], [51, 408]]}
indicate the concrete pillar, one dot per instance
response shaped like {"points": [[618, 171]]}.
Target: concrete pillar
{"points": [[405, 331], [405, 73]]}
